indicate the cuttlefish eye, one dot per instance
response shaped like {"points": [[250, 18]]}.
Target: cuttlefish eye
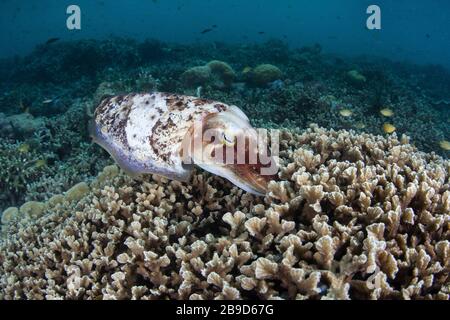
{"points": [[228, 139]]}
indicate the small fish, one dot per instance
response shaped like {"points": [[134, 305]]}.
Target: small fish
{"points": [[261, 32], [24, 148], [445, 145], [387, 112], [40, 163], [206, 30], [47, 101], [246, 70], [345, 112], [389, 128], [159, 133], [214, 26], [51, 40], [360, 125]]}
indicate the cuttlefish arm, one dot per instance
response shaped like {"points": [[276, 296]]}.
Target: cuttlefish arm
{"points": [[226, 157], [243, 177]]}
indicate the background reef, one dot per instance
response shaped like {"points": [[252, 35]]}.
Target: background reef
{"points": [[47, 98], [361, 209]]}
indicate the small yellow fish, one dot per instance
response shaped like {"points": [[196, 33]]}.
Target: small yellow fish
{"points": [[346, 112], [444, 144], [246, 70], [360, 125], [24, 148], [40, 163], [388, 128], [387, 112]]}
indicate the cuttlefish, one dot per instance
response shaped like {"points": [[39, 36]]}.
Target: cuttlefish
{"points": [[167, 134]]}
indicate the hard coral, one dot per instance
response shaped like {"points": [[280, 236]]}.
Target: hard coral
{"points": [[196, 76], [18, 167], [223, 74], [6, 130], [264, 74], [53, 157], [354, 216], [24, 125], [215, 73], [105, 89], [8, 214]]}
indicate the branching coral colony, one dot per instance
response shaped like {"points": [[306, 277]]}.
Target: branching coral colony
{"points": [[353, 216]]}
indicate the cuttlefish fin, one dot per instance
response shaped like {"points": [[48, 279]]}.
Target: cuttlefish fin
{"points": [[238, 112]]}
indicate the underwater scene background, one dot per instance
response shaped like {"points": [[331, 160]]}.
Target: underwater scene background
{"points": [[361, 205]]}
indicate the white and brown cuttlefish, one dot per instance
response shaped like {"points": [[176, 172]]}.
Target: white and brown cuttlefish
{"points": [[166, 134]]}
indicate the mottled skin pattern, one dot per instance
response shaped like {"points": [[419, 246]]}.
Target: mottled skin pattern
{"points": [[149, 128]]}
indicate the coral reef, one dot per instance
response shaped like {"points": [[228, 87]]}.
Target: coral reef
{"points": [[264, 74], [356, 214], [356, 78], [105, 89], [152, 50], [315, 85], [6, 129], [215, 73], [19, 165], [8, 214], [43, 156], [353, 216], [222, 73], [66, 61], [25, 124], [22, 125], [196, 76]]}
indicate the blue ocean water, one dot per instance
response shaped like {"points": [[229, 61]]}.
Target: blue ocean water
{"points": [[416, 31]]}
